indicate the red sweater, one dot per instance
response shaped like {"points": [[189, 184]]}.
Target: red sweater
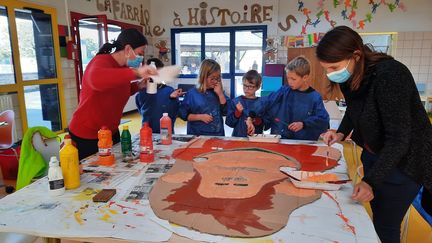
{"points": [[106, 88]]}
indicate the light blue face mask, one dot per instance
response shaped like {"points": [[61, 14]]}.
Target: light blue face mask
{"points": [[340, 76], [136, 62]]}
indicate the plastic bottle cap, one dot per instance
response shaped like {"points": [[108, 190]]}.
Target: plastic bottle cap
{"points": [[104, 128], [125, 127], [165, 114], [53, 161], [152, 64], [67, 136]]}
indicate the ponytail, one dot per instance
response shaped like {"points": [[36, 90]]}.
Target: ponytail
{"points": [[107, 48]]}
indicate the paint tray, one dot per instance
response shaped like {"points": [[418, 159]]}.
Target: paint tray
{"points": [[300, 180], [265, 138]]}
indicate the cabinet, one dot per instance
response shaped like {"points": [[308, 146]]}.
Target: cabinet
{"points": [[318, 78]]}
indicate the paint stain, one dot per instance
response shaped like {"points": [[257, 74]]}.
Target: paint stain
{"points": [[123, 207], [106, 217], [130, 226], [350, 227], [86, 194], [140, 214], [78, 214]]}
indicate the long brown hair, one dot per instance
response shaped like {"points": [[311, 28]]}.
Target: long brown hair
{"points": [[207, 67], [343, 43]]}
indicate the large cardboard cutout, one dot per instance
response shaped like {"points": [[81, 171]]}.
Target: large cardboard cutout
{"points": [[231, 190]]}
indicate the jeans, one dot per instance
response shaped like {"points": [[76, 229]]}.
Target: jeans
{"points": [[392, 199]]}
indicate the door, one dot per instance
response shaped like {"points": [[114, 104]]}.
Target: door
{"points": [[318, 76]]}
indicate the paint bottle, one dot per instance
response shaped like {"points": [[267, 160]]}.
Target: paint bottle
{"points": [[105, 143], [55, 178], [166, 129], [146, 144], [151, 84], [126, 143], [69, 163]]}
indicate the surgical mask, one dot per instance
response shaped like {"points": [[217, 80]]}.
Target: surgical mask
{"points": [[136, 62], [340, 76]]}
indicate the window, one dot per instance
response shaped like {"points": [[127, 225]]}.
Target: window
{"points": [[30, 82], [236, 49], [381, 42]]}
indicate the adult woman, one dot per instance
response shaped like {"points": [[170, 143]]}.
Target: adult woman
{"points": [[388, 121], [106, 87]]}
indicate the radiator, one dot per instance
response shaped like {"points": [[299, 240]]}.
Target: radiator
{"points": [[6, 102]]}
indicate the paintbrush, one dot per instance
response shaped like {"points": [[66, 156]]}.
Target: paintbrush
{"points": [[327, 154]]}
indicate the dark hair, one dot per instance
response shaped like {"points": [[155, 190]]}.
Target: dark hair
{"points": [[131, 37], [343, 43], [157, 62], [300, 65], [252, 76]]}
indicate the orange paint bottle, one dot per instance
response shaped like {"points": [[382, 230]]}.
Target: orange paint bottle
{"points": [[166, 129], [146, 144], [105, 143]]}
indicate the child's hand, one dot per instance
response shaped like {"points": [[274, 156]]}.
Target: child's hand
{"points": [[295, 126], [177, 93], [206, 118], [239, 107], [218, 88], [250, 126]]}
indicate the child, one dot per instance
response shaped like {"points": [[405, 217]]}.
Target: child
{"points": [[242, 113], [151, 106], [297, 110], [203, 107]]}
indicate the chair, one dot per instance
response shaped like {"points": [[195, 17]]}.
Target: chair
{"points": [[7, 121]]}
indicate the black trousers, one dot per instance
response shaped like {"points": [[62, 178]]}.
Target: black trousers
{"points": [[87, 147], [391, 200]]}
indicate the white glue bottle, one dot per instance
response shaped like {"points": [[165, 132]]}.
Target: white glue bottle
{"points": [[151, 84], [55, 178]]}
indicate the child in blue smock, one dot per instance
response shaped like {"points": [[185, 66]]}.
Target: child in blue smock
{"points": [[243, 111], [151, 106], [296, 110], [203, 107]]}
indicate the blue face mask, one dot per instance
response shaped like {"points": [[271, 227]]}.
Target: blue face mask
{"points": [[136, 62], [340, 76]]}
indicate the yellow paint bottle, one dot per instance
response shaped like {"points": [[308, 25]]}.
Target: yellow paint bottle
{"points": [[69, 163]]}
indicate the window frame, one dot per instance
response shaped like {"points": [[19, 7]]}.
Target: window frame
{"points": [[20, 84], [232, 30]]}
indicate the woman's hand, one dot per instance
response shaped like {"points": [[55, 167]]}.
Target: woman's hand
{"points": [[295, 126], [146, 71], [177, 93], [362, 192], [330, 137], [142, 83]]}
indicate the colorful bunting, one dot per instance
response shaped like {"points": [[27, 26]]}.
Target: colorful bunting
{"points": [[348, 12]]}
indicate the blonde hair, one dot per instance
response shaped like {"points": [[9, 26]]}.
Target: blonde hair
{"points": [[300, 65], [207, 67]]}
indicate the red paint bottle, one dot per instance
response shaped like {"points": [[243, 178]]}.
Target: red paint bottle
{"points": [[146, 144], [166, 129]]}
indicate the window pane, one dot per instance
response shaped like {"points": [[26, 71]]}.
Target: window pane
{"points": [[217, 47], [36, 46], [379, 42], [188, 52], [7, 73], [113, 32], [248, 51], [42, 106], [239, 87]]}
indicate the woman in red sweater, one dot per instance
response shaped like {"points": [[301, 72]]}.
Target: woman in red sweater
{"points": [[106, 88]]}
